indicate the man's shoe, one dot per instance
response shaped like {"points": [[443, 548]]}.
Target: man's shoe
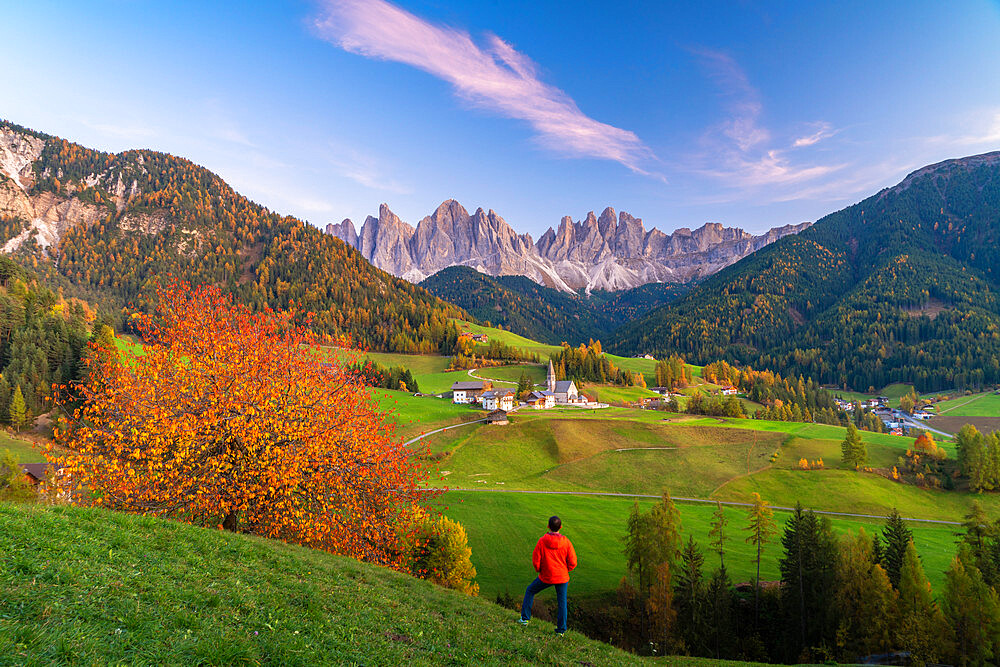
{"points": [[560, 634], [522, 621]]}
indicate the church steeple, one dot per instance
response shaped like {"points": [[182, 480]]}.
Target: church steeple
{"points": [[550, 377]]}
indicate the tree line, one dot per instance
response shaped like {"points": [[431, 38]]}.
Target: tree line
{"points": [[588, 363], [839, 597]]}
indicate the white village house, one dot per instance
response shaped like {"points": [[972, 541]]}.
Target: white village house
{"points": [[500, 399], [470, 391]]}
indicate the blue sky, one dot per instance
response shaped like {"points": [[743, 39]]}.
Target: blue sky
{"points": [[749, 114]]}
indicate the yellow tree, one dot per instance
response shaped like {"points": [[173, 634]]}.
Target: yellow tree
{"points": [[762, 528], [239, 420]]}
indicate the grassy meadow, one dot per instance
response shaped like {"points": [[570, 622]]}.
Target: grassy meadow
{"points": [[94, 587]]}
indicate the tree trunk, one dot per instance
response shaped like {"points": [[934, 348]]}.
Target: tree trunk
{"points": [[230, 522]]}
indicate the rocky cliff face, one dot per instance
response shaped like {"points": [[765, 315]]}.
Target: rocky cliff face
{"points": [[46, 215], [609, 252]]}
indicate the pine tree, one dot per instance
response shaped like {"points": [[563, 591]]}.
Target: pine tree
{"points": [[689, 597], [524, 384], [983, 542], [761, 528], [972, 611], [808, 574], [896, 538], [18, 411], [853, 449], [865, 600], [666, 525], [719, 614], [921, 629], [717, 533]]}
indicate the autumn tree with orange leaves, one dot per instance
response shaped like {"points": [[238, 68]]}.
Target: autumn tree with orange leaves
{"points": [[238, 419]]}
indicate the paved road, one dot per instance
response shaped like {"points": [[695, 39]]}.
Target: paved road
{"points": [[913, 423], [472, 373], [443, 428], [701, 500]]}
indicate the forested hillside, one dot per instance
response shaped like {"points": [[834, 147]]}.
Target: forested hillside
{"points": [[150, 214], [521, 305], [901, 287]]}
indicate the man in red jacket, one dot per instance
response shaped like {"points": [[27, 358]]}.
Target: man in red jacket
{"points": [[553, 559]]}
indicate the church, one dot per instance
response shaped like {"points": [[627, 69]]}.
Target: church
{"points": [[565, 391]]}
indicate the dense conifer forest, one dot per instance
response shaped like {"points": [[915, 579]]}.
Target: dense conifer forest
{"points": [[542, 313], [163, 215], [901, 287]]}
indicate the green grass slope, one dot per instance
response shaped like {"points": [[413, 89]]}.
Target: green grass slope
{"points": [[97, 587]]}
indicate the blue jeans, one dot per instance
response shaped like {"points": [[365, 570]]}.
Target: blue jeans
{"points": [[538, 586]]}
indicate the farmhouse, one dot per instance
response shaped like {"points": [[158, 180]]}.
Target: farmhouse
{"points": [[470, 391], [729, 390], [541, 400], [37, 473]]}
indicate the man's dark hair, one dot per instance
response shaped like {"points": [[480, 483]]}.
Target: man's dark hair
{"points": [[555, 523]]}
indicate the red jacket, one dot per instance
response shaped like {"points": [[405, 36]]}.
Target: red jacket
{"points": [[553, 559]]}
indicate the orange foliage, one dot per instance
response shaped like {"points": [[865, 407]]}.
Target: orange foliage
{"points": [[236, 419]]}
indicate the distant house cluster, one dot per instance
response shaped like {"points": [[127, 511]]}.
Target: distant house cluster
{"points": [[476, 337], [498, 399], [484, 394]]}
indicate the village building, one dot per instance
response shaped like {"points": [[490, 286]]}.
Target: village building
{"points": [[541, 400], [499, 399], [497, 418], [37, 473], [470, 391], [729, 390]]}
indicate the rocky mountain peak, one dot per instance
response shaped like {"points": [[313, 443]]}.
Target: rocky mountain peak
{"points": [[610, 251]]}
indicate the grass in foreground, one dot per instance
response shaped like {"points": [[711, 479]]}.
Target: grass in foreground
{"points": [[97, 587]]}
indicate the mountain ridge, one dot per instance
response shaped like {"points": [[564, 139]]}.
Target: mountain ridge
{"points": [[846, 301], [109, 226], [613, 251]]}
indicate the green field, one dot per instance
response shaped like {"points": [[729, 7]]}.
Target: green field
{"points": [[512, 339], [616, 451], [94, 587], [986, 404], [692, 457], [503, 529], [414, 415], [23, 450], [513, 373]]}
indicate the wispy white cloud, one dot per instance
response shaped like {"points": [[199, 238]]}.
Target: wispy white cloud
{"points": [[364, 169], [492, 75], [822, 131], [978, 129], [740, 150]]}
